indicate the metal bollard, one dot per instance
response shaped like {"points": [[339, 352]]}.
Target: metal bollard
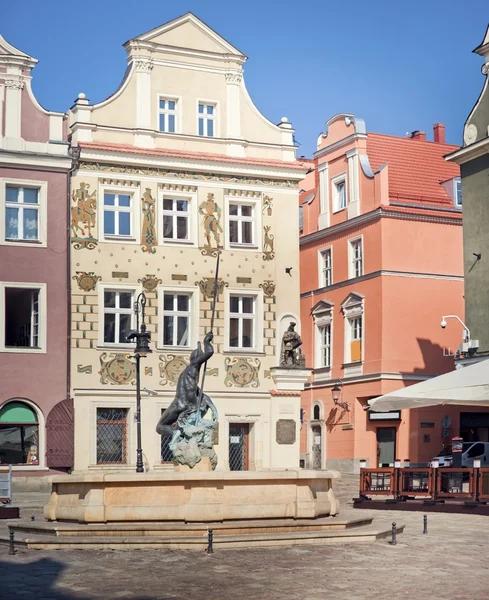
{"points": [[12, 547], [210, 538], [394, 534], [425, 524]]}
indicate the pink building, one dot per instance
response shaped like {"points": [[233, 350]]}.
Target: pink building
{"points": [[381, 263], [35, 415]]}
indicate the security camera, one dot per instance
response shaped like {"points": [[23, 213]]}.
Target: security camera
{"points": [[443, 324]]}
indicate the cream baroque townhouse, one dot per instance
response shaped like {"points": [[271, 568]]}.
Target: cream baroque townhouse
{"points": [[174, 169], [36, 412]]}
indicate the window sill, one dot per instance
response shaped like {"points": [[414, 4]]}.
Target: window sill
{"points": [[243, 247], [119, 238], [249, 351], [23, 350], [173, 348], [29, 468], [114, 347], [24, 243], [338, 210], [168, 242]]}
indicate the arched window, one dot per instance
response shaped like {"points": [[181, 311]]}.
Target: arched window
{"points": [[19, 434], [316, 413]]}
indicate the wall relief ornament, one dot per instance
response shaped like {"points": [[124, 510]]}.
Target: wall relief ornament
{"points": [[234, 77], [150, 283], [211, 222], [268, 287], [242, 372], [156, 172], [83, 217], [85, 369], [144, 65], [14, 84], [212, 372], [148, 370], [148, 234], [171, 365], [119, 369], [268, 253], [86, 281], [267, 205], [206, 285]]}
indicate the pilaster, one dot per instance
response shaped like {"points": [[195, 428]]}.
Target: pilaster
{"points": [[353, 183]]}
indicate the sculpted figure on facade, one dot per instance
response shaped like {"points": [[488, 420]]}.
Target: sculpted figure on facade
{"points": [[192, 435], [291, 355], [212, 226], [148, 235], [83, 216]]}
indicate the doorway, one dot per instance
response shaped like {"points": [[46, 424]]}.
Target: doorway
{"points": [[238, 446], [386, 446]]}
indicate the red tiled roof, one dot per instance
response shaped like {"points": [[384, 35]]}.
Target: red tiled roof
{"points": [[416, 168], [163, 152]]}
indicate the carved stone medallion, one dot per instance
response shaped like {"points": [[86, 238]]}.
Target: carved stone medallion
{"points": [[242, 372], [286, 431], [150, 283], [206, 285], [171, 367], [119, 369], [86, 281], [268, 288]]}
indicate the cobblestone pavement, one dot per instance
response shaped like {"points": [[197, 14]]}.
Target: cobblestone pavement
{"points": [[450, 563]]}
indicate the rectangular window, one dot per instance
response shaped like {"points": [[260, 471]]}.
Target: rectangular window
{"points": [[356, 327], [207, 116], [21, 213], [339, 192], [21, 318], [117, 215], [241, 223], [356, 258], [176, 319], [167, 112], [118, 316], [326, 268], [111, 436], [458, 193], [242, 321], [325, 345], [176, 219]]}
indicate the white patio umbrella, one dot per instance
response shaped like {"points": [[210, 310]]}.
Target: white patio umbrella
{"points": [[468, 386]]}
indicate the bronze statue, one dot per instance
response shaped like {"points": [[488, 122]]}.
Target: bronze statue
{"points": [[291, 355], [183, 419]]}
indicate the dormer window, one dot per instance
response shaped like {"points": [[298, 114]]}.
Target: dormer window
{"points": [[167, 113], [457, 192]]}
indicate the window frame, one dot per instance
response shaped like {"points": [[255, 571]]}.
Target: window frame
{"points": [[193, 232], [323, 317], [42, 318], [457, 182], [193, 292], [256, 224], [321, 269], [176, 112], [215, 118], [126, 448], [135, 214], [353, 307], [335, 181], [41, 442], [42, 187], [257, 295], [352, 260], [114, 287]]}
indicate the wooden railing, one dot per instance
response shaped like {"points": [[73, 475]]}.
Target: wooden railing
{"points": [[426, 482]]}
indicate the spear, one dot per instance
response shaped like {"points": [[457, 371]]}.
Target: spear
{"points": [[214, 301]]}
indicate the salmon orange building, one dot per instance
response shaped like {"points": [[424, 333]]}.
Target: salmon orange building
{"points": [[381, 263]]}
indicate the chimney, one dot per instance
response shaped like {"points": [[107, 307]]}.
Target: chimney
{"points": [[418, 135], [439, 133]]}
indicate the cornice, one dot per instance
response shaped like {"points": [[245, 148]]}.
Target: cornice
{"points": [[340, 144], [42, 162], [469, 153], [327, 383]]}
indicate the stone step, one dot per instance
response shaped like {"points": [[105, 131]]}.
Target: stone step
{"points": [[365, 534], [178, 529]]}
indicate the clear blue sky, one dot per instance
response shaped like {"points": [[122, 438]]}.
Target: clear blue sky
{"points": [[400, 65]]}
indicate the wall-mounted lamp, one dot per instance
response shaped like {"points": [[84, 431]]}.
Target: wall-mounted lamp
{"points": [[336, 395]]}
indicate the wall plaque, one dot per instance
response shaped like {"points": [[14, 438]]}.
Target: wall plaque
{"points": [[179, 277], [286, 431], [120, 274], [243, 279]]}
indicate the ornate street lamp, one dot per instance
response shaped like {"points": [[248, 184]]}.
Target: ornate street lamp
{"points": [[142, 349], [336, 395]]}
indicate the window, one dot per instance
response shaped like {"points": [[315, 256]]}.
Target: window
{"points": [[355, 339], [118, 316], [241, 321], [316, 415], [241, 223], [325, 345], [19, 434], [111, 436], [458, 192], [22, 317], [21, 213], [176, 219], [356, 258], [117, 215], [176, 319], [207, 115], [339, 192], [326, 268], [167, 112]]}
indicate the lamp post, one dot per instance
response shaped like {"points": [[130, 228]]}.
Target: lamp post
{"points": [[336, 395], [142, 349]]}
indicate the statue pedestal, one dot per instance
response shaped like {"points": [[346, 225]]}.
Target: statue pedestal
{"points": [[290, 378], [203, 466]]}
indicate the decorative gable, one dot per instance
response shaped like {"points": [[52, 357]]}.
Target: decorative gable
{"points": [[12, 56], [352, 305], [322, 313]]}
